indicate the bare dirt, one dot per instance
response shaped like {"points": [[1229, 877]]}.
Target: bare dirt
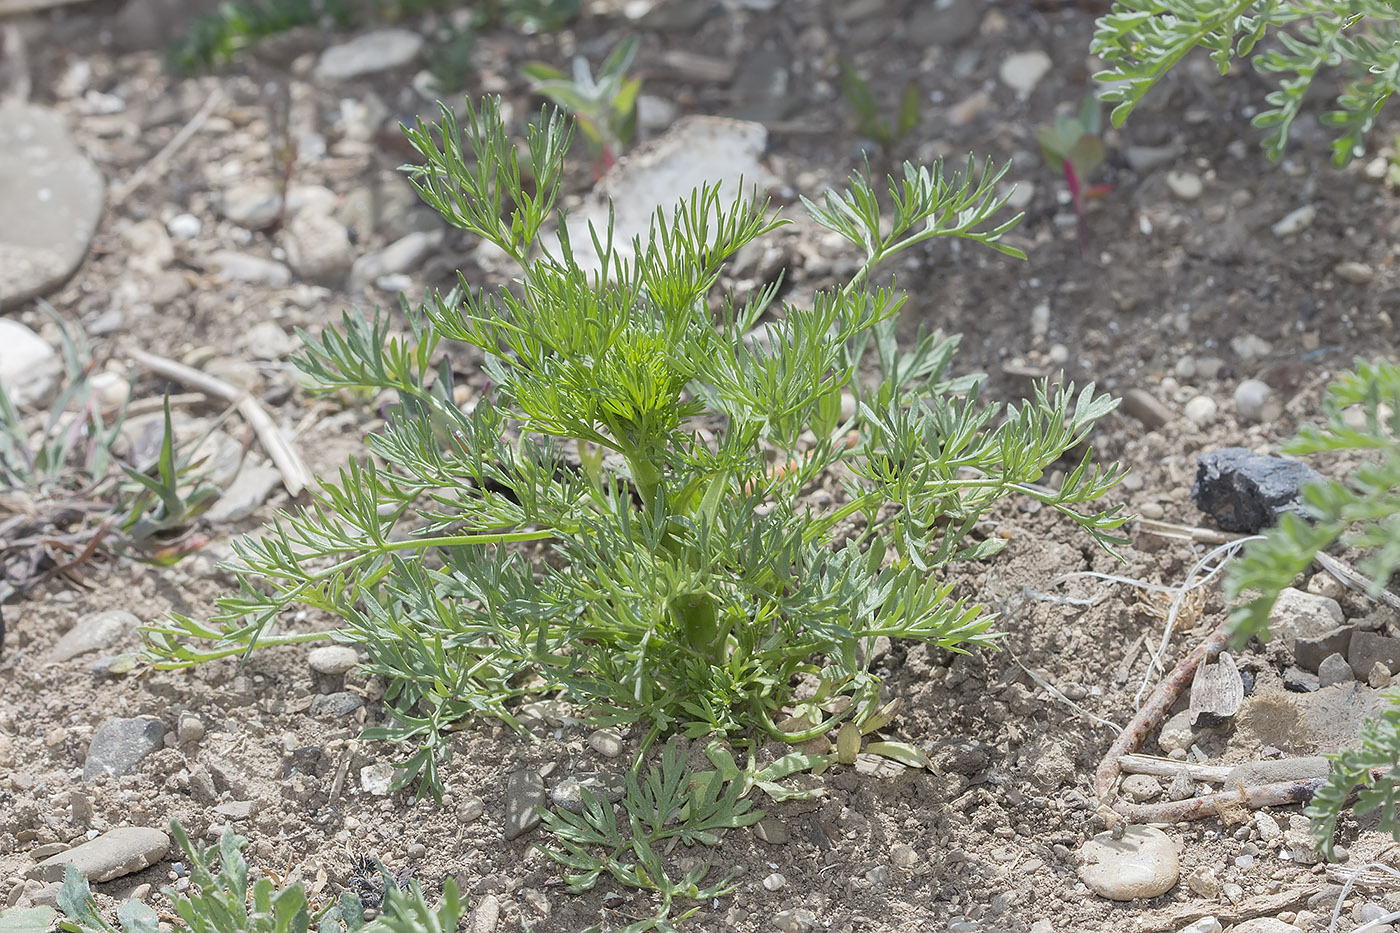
{"points": [[1180, 298]]}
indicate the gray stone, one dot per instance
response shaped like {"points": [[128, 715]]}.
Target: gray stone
{"points": [[318, 247], [51, 196], [1143, 159], [1358, 273], [1334, 669], [29, 367], [772, 831], [606, 742], [964, 757], [248, 491], [189, 728], [377, 779], [402, 255], [335, 705], [332, 660], [1022, 71], [266, 340], [1140, 788], [796, 920], [1273, 771], [1308, 651], [1295, 221], [567, 794], [116, 852], [524, 792], [254, 270], [1245, 491], [1176, 732], [237, 810], [1368, 649], [762, 88], [1201, 410], [1142, 863], [1297, 614], [93, 633], [945, 25], [119, 745], [1266, 925], [374, 51], [470, 809], [1256, 401]]}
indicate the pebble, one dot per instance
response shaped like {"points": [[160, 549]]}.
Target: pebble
{"points": [[1272, 771], [254, 270], [404, 254], [184, 226], [1140, 788], [796, 920], [774, 882], [1202, 881], [253, 204], [1042, 926], [318, 247], [1268, 826], [1022, 71], [902, 855], [1250, 346], [1143, 159], [1187, 186], [1334, 669], [772, 831], [1203, 925], [1201, 410], [524, 792], [29, 367], [606, 742], [486, 915], [119, 745], [189, 728], [1298, 614], [93, 633], [1368, 649], [335, 705], [1147, 408], [248, 491], [1176, 732], [236, 810], [960, 924], [374, 51], [1266, 925], [1379, 676], [567, 794], [1256, 401], [57, 191], [332, 660], [1295, 221], [1358, 273], [376, 779], [116, 852], [470, 809], [266, 340], [1142, 863]]}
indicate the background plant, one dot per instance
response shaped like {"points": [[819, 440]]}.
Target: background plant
{"points": [[1073, 145], [870, 122], [605, 107], [1295, 40], [604, 523], [1361, 511], [222, 899]]}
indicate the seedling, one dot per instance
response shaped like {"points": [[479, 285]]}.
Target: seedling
{"points": [[634, 549], [1072, 145], [605, 107], [870, 122]]}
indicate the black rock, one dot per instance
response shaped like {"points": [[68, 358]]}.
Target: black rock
{"points": [[1244, 491]]}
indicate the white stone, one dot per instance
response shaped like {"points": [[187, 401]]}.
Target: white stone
{"points": [[377, 779], [1201, 410], [241, 267], [1266, 925], [318, 247], [93, 633], [184, 226], [115, 853], [1297, 614], [332, 660], [1295, 221], [379, 50], [1203, 925], [1358, 273], [1022, 71], [1187, 186], [51, 198], [253, 204], [266, 340], [400, 256], [1256, 401], [29, 367], [1143, 863], [774, 881]]}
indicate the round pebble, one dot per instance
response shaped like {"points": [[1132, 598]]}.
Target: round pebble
{"points": [[1201, 410], [903, 856], [332, 660], [606, 742], [1256, 401], [774, 881], [184, 226], [470, 809], [1141, 864], [1187, 186], [1140, 788]]}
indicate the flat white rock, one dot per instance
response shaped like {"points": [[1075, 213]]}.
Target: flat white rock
{"points": [[1141, 864], [1022, 71], [51, 197], [374, 51], [29, 367], [115, 853]]}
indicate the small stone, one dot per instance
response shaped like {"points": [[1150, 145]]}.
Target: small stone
{"points": [[1203, 925], [236, 810], [1201, 410], [116, 852], [797, 920], [1265, 925], [1379, 676], [376, 779], [1203, 882], [1042, 926], [266, 340], [1256, 401], [1294, 222], [184, 226], [1358, 273], [878, 875], [332, 660], [1176, 732], [29, 367], [774, 882], [1268, 826], [1308, 651], [567, 794], [335, 705], [1144, 159], [1187, 186], [402, 255], [1334, 669], [1140, 788], [1371, 648], [772, 831], [379, 50], [318, 247], [606, 742], [470, 809], [486, 915], [252, 204], [524, 792], [1143, 863], [254, 270], [960, 924], [1147, 408], [1022, 71], [93, 633], [1181, 787], [119, 746], [246, 494], [189, 729], [1244, 491], [1297, 614], [964, 757], [1250, 346]]}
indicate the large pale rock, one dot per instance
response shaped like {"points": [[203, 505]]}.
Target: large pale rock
{"points": [[374, 51], [115, 853], [29, 367], [1142, 863], [51, 199]]}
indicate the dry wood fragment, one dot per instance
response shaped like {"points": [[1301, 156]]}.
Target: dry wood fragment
{"points": [[1169, 768], [12, 7], [295, 475], [1217, 692]]}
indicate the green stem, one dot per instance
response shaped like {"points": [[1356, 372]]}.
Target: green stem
{"points": [[199, 657]]}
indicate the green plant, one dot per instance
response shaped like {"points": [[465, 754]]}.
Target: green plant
{"points": [[27, 920], [1362, 511], [887, 132], [221, 899], [605, 107], [667, 576], [1073, 145], [1141, 40]]}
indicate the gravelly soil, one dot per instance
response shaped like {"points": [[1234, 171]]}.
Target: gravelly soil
{"points": [[994, 826]]}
